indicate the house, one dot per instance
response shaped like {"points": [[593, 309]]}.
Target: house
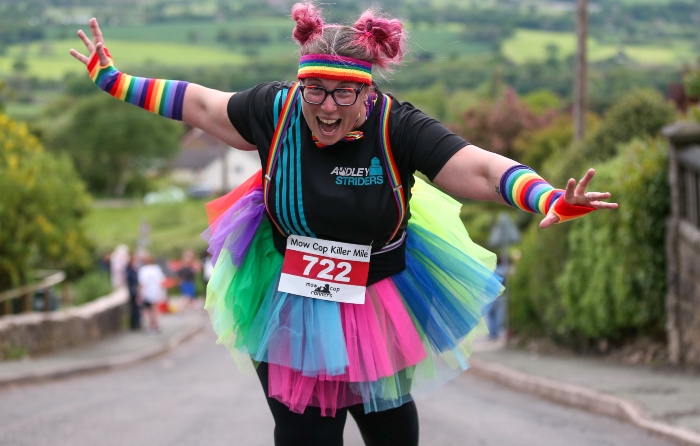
{"points": [[200, 165]]}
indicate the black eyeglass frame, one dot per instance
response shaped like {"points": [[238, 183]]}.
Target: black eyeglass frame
{"points": [[332, 93]]}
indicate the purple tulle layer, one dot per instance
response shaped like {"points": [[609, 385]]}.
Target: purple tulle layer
{"points": [[235, 228]]}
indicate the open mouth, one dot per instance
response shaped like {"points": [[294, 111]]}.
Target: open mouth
{"points": [[328, 126]]}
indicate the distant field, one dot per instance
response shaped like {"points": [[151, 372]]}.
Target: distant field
{"points": [[206, 32], [174, 227], [51, 60], [170, 44], [23, 112], [441, 42], [199, 44], [644, 2], [532, 45]]}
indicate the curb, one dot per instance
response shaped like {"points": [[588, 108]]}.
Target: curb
{"points": [[582, 398], [104, 364]]}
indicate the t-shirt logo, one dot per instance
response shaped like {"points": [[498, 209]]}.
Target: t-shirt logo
{"points": [[359, 176]]}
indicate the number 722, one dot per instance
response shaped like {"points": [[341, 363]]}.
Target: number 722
{"points": [[330, 266]]}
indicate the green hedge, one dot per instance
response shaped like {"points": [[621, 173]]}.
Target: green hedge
{"points": [[602, 277], [614, 281], [91, 286]]}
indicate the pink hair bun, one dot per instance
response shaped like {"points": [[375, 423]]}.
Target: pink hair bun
{"points": [[309, 22], [384, 38]]}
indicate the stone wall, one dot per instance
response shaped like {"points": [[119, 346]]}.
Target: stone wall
{"points": [[40, 333], [683, 247]]}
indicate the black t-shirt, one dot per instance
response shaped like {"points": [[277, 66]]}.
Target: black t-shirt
{"points": [[341, 192]]}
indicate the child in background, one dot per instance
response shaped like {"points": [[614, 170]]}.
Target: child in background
{"points": [[151, 292], [188, 269]]}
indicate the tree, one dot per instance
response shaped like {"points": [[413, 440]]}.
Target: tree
{"points": [[691, 81], [639, 113], [495, 126], [113, 144], [542, 100], [534, 147], [42, 205], [20, 66], [692, 87]]}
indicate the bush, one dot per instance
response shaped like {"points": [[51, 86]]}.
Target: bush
{"points": [[542, 100], [614, 281], [534, 147], [42, 206], [638, 114], [694, 113], [602, 277], [496, 126], [692, 86], [535, 306], [91, 286], [691, 81]]}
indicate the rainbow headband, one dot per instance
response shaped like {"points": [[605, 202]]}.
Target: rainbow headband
{"points": [[340, 68]]}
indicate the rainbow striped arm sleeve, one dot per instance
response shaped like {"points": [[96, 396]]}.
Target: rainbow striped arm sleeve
{"points": [[162, 97], [522, 188]]}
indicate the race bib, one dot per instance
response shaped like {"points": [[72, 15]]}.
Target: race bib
{"points": [[326, 270]]}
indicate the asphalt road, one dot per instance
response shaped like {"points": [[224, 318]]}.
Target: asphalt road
{"points": [[196, 396]]}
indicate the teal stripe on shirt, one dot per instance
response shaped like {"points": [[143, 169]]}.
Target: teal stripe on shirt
{"points": [[292, 174], [300, 200], [279, 101], [283, 178]]}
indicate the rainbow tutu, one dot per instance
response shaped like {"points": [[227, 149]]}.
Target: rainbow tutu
{"points": [[413, 332]]}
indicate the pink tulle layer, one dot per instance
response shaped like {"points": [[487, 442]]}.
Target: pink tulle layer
{"points": [[380, 336], [381, 340]]}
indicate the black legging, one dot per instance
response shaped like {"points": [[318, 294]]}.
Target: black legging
{"points": [[393, 427]]}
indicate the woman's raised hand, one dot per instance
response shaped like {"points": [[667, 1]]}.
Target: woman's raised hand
{"points": [[96, 45], [576, 194]]}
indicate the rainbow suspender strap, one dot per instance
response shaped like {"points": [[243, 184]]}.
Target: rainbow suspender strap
{"points": [[522, 188], [277, 142], [159, 96], [275, 146], [391, 170]]}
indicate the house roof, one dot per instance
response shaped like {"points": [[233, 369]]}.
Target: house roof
{"points": [[198, 150], [198, 139], [197, 159]]}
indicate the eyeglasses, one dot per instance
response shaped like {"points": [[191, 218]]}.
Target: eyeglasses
{"points": [[342, 96]]}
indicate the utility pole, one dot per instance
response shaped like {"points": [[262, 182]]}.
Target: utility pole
{"points": [[581, 77]]}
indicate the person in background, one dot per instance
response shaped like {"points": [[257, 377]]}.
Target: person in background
{"points": [[104, 262], [207, 267], [151, 291], [494, 318], [117, 264], [189, 267], [132, 282]]}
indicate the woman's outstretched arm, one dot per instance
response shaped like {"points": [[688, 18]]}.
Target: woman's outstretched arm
{"points": [[193, 104], [482, 175]]}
